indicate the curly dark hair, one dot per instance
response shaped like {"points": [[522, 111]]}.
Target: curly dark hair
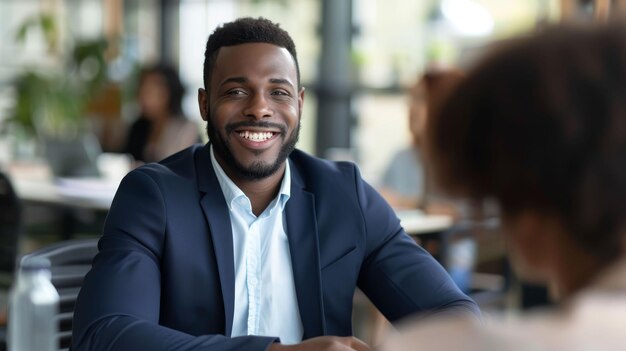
{"points": [[541, 123], [174, 86], [242, 31]]}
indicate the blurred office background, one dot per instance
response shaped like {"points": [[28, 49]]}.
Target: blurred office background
{"points": [[357, 59], [68, 71]]}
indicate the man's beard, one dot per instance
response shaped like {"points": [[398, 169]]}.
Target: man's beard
{"points": [[258, 170]]}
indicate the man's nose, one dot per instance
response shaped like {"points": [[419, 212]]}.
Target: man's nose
{"points": [[258, 107]]}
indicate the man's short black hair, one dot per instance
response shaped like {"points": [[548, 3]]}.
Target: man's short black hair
{"points": [[541, 124], [242, 31]]}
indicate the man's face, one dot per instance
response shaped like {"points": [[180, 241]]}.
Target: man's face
{"points": [[253, 109]]}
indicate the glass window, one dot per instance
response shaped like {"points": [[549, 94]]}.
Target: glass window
{"points": [[394, 44]]}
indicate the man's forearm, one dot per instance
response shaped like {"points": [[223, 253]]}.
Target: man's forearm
{"points": [[129, 333]]}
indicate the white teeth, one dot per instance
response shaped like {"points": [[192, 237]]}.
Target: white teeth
{"points": [[256, 136]]}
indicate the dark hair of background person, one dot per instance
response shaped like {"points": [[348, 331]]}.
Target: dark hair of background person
{"points": [[174, 86], [541, 124], [243, 31]]}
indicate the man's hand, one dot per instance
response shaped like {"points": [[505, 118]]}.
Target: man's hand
{"points": [[324, 343]]}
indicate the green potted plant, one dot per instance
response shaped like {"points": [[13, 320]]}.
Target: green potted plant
{"points": [[50, 106]]}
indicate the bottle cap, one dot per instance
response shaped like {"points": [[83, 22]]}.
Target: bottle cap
{"points": [[34, 263]]}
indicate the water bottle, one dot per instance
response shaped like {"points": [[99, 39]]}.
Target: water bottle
{"points": [[461, 261], [33, 308]]}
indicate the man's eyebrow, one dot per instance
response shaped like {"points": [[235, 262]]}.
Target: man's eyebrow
{"points": [[240, 80], [281, 81]]}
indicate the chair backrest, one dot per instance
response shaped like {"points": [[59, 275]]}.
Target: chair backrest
{"points": [[10, 225], [69, 262]]}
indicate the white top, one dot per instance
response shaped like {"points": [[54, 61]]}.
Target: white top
{"points": [[178, 134], [265, 295], [591, 320]]}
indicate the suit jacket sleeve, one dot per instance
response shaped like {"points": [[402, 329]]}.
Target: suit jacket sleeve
{"points": [[118, 305], [398, 276]]}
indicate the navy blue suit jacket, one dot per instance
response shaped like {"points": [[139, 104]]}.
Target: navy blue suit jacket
{"points": [[164, 275]]}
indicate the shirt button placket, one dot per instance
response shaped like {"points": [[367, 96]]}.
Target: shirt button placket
{"points": [[253, 280]]}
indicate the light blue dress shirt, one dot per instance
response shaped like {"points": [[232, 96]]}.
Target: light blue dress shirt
{"points": [[265, 296]]}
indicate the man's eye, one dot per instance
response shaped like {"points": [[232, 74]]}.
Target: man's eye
{"points": [[235, 92], [280, 92]]}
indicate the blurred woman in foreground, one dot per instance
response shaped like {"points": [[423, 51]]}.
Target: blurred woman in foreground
{"points": [[540, 126]]}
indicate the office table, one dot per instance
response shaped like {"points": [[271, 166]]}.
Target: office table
{"points": [[76, 206], [91, 194], [97, 194], [36, 186]]}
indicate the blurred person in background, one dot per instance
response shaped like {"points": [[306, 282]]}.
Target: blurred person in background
{"points": [[161, 129], [540, 126], [405, 183], [408, 184]]}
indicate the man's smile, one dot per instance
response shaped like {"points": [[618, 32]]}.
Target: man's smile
{"points": [[256, 139], [256, 136]]}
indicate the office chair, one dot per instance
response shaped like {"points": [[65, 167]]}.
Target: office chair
{"points": [[10, 226], [69, 262], [490, 282], [10, 223]]}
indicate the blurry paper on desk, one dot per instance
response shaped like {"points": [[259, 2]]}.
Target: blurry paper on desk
{"points": [[114, 167], [416, 221], [93, 189]]}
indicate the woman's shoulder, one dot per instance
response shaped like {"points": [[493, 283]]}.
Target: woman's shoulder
{"points": [[184, 130]]}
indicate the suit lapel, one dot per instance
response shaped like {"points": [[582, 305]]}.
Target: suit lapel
{"points": [[305, 261], [216, 212]]}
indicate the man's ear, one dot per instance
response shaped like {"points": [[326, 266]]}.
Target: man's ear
{"points": [[203, 99], [301, 99]]}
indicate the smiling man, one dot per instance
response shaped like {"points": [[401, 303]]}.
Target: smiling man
{"points": [[247, 243]]}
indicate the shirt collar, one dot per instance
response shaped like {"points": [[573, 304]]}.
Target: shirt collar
{"points": [[232, 192]]}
